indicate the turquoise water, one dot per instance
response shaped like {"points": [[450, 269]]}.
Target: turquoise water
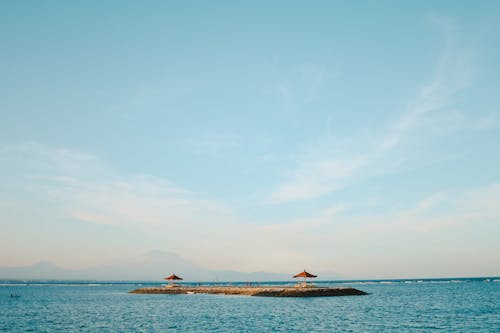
{"points": [[460, 305]]}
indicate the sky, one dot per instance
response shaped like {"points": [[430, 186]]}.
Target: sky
{"points": [[360, 138]]}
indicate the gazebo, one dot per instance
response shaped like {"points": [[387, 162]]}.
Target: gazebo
{"points": [[171, 280], [305, 275]]}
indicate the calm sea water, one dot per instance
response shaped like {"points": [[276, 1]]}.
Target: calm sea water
{"points": [[460, 305]]}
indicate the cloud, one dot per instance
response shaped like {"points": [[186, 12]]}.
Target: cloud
{"points": [[453, 74], [441, 222], [353, 240], [450, 232], [86, 189], [324, 168], [316, 177], [147, 202]]}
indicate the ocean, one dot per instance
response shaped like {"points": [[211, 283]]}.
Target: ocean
{"points": [[428, 305]]}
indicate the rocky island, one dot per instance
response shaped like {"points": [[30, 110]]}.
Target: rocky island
{"points": [[267, 291]]}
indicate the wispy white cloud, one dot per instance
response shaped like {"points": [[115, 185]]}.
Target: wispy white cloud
{"points": [[316, 177], [327, 170], [437, 215], [89, 190], [453, 74], [347, 239], [444, 233]]}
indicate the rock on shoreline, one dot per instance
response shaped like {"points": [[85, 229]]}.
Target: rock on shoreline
{"points": [[254, 291]]}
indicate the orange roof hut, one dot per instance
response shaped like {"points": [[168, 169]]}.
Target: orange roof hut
{"points": [[171, 280], [173, 277], [305, 275]]}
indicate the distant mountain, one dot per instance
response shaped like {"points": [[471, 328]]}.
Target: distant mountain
{"points": [[40, 270], [153, 265]]}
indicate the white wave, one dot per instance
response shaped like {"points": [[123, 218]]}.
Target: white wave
{"points": [[13, 284]]}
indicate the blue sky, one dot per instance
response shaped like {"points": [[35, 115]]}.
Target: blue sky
{"points": [[355, 138]]}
